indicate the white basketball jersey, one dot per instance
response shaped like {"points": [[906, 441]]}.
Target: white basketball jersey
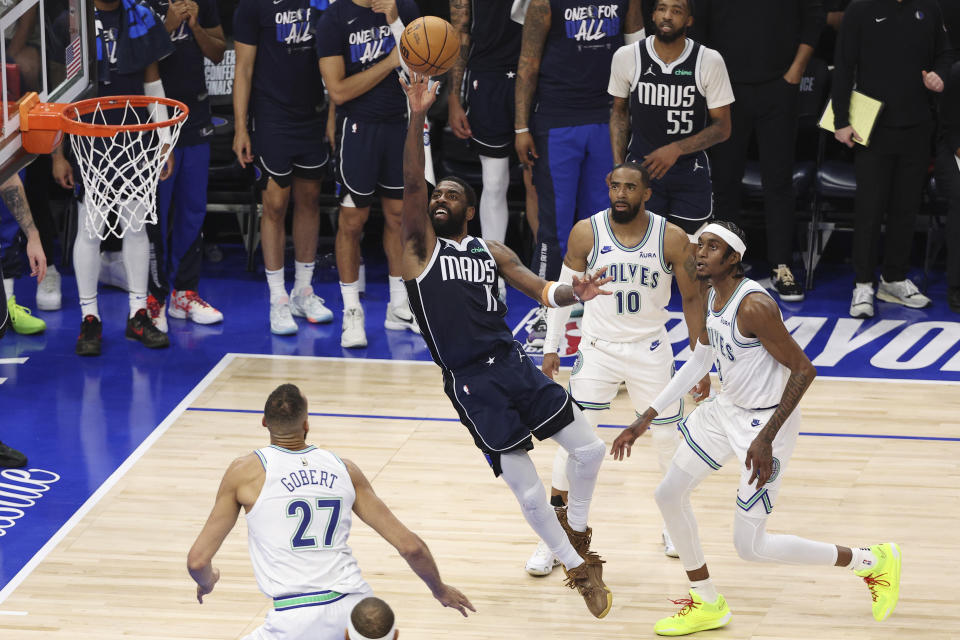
{"points": [[637, 308], [749, 376], [297, 529]]}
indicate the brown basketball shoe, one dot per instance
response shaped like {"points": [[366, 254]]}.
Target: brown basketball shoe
{"points": [[579, 539], [587, 579]]}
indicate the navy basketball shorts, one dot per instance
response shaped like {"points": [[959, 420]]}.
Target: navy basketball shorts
{"points": [[371, 159], [504, 399], [284, 148], [488, 99], [685, 195]]}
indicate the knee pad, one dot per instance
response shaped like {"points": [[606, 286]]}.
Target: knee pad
{"points": [[533, 502], [668, 494], [748, 538], [589, 457]]}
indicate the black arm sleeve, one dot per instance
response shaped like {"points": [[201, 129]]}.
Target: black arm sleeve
{"points": [[844, 66], [943, 50], [813, 19]]}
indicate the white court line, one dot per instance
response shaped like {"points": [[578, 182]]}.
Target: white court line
{"points": [[2, 380], [13, 360], [108, 484], [13, 613]]}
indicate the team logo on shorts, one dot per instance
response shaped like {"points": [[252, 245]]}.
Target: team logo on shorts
{"points": [[466, 389], [775, 470], [353, 128], [578, 364]]}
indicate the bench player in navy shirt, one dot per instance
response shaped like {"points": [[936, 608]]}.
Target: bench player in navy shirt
{"points": [[130, 38], [194, 28], [484, 75], [562, 115], [503, 399], [671, 101], [277, 81], [358, 57]]}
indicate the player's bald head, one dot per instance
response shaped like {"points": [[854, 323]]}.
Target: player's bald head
{"points": [[372, 618]]}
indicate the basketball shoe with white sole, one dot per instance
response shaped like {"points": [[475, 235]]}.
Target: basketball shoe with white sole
{"points": [[281, 319], [187, 305], [542, 562], [400, 318], [157, 312], [306, 304], [353, 335]]}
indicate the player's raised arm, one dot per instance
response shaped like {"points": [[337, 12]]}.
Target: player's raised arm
{"points": [[759, 317], [550, 294], [416, 230], [371, 509]]}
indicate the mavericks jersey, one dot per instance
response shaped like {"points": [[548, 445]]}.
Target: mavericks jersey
{"points": [[749, 376], [297, 529], [667, 101], [637, 310], [457, 304]]}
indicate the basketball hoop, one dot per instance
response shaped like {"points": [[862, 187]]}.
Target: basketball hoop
{"points": [[119, 146]]}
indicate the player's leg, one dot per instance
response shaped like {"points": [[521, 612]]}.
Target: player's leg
{"points": [[878, 565], [86, 266], [494, 214], [12, 240], [490, 108], [185, 253], [136, 265], [691, 196], [158, 234], [592, 192], [391, 137], [704, 451], [304, 302], [275, 197], [729, 158]]}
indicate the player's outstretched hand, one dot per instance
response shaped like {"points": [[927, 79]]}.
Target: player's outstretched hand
{"points": [[551, 365], [420, 94], [203, 590], [624, 442], [451, 597], [589, 287], [760, 460]]}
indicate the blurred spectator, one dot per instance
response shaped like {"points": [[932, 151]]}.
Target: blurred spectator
{"points": [[671, 100], [371, 113], [562, 115], [176, 244], [19, 317], [948, 179], [898, 53], [372, 619], [484, 75], [766, 46]]}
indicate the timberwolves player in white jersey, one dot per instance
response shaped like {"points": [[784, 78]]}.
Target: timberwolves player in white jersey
{"points": [[624, 337], [299, 502], [504, 400], [763, 375]]}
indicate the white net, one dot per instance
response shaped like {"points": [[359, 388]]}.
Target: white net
{"points": [[120, 172]]}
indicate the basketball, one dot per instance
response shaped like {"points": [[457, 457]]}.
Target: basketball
{"points": [[429, 45]]}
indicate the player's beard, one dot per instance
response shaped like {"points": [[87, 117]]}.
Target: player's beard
{"points": [[625, 217], [452, 226], [667, 38]]}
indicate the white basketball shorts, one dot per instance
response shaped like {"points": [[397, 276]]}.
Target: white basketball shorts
{"points": [[318, 622]]}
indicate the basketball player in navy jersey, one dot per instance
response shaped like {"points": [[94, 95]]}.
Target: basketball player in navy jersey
{"points": [[277, 81], [671, 100], [357, 53], [130, 40], [562, 115], [503, 399], [194, 28], [755, 419], [484, 75]]}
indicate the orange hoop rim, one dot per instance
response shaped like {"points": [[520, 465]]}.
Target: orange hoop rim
{"points": [[82, 107]]}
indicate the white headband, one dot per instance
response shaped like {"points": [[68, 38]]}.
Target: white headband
{"points": [[356, 635], [728, 236]]}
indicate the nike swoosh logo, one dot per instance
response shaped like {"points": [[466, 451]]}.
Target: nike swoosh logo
{"points": [[351, 21], [606, 249], [879, 19], [655, 344]]}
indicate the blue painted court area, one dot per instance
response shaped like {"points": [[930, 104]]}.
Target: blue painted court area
{"points": [[79, 419]]}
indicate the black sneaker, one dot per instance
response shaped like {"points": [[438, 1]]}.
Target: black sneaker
{"points": [[11, 458], [785, 284], [88, 344], [140, 328], [537, 332], [953, 299]]}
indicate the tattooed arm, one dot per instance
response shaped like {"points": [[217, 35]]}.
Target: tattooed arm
{"points": [[536, 26], [457, 117], [619, 129], [16, 200], [759, 317]]}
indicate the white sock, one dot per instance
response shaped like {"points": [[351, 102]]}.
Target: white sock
{"points": [[351, 294], [8, 286], [862, 559], [494, 214], [86, 266], [136, 264], [52, 268], [278, 290], [398, 292], [303, 276], [706, 590]]}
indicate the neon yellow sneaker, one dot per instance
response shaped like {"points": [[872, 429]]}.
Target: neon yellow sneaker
{"points": [[695, 615], [883, 580], [22, 319]]}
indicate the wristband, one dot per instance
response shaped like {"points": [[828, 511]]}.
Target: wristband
{"points": [[547, 296], [523, 130]]}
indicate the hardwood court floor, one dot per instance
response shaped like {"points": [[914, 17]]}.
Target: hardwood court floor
{"points": [[121, 571]]}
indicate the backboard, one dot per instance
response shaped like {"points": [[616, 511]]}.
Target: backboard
{"points": [[48, 46]]}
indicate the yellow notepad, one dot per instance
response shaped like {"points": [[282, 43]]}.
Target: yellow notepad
{"points": [[864, 112]]}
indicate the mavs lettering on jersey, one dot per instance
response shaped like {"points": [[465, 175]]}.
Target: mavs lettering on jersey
{"points": [[592, 22], [293, 27], [371, 44]]}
